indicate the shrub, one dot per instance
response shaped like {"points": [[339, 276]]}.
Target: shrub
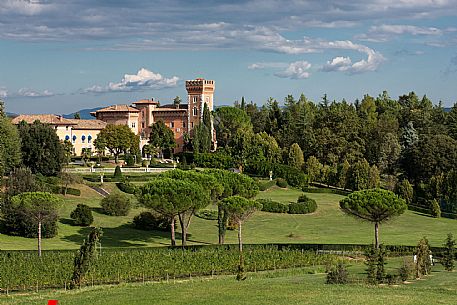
{"points": [[116, 204], [263, 186], [304, 205], [292, 175], [449, 252], [271, 206], [151, 221], [338, 275], [130, 160], [406, 270], [207, 214], [118, 172], [435, 209], [213, 160], [282, 183], [126, 187], [82, 215]]}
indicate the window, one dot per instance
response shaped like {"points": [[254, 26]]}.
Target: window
{"points": [[133, 124], [183, 124], [74, 139], [172, 124], [83, 138], [142, 125], [178, 129], [66, 127], [192, 124], [195, 111], [89, 139], [67, 138]]}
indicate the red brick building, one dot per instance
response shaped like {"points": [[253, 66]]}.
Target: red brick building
{"points": [[181, 119]]}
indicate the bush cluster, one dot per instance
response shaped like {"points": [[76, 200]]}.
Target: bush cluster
{"points": [[304, 205], [213, 160], [207, 214], [292, 175], [282, 183], [263, 186], [338, 275], [82, 215], [116, 204], [151, 221], [271, 206], [126, 187]]}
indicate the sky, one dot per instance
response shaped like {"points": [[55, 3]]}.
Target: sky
{"points": [[59, 56]]}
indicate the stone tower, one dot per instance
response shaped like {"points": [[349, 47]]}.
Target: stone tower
{"points": [[199, 92]]}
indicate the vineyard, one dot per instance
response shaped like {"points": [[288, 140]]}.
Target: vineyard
{"points": [[24, 270]]}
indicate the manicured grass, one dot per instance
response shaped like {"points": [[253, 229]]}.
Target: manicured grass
{"points": [[327, 225], [280, 287]]}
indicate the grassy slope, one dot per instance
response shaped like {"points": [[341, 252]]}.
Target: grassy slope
{"points": [[326, 225], [280, 287]]}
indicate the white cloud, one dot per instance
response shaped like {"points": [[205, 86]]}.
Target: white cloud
{"points": [[143, 80], [338, 64], [266, 65], [296, 70], [386, 32], [3, 92], [27, 92]]}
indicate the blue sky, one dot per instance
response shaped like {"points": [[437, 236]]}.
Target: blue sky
{"points": [[59, 56]]}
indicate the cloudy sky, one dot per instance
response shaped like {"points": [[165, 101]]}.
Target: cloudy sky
{"points": [[60, 56]]}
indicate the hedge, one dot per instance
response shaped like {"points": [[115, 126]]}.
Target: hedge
{"points": [[263, 186], [271, 206], [213, 160], [127, 187], [57, 189], [325, 191], [292, 175]]}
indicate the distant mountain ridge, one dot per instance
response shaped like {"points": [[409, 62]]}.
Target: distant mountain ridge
{"points": [[83, 113]]}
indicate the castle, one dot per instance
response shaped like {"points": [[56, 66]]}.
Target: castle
{"points": [[139, 116]]}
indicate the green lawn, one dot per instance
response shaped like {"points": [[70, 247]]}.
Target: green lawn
{"points": [[327, 225], [280, 287]]}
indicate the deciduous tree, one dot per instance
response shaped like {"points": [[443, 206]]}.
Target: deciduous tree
{"points": [[118, 139]]}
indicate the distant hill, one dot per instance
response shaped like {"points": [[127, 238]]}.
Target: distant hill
{"points": [[83, 113]]}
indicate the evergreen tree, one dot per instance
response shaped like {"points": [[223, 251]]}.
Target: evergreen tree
{"points": [[423, 260], [162, 138], [449, 252], [41, 148], [10, 145], [296, 158]]}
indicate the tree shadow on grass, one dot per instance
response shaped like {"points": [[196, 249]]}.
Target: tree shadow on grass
{"points": [[98, 210], [124, 236], [422, 214], [67, 221]]}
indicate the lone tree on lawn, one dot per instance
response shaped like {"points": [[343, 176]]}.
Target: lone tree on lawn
{"points": [[449, 252], [38, 207], [117, 139], [174, 198], [373, 205], [239, 210]]}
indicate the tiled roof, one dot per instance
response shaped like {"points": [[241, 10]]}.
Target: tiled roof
{"points": [[172, 106], [43, 118], [88, 124], [146, 101], [118, 108]]}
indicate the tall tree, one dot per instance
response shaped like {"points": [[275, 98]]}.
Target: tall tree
{"points": [[41, 148], [239, 210], [296, 156], [10, 145], [373, 205], [162, 138], [233, 184], [118, 139], [227, 122], [37, 207], [174, 198], [201, 139]]}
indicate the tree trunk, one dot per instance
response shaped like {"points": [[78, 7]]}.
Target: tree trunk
{"points": [[183, 230], [222, 224], [376, 235], [173, 238], [39, 238], [240, 242], [116, 158]]}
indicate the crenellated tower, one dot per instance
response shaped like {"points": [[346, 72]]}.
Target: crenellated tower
{"points": [[199, 92]]}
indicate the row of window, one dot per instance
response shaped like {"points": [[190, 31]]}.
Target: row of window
{"points": [[83, 138]]}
